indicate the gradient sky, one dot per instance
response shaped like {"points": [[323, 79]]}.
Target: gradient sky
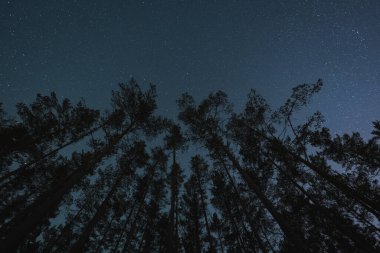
{"points": [[84, 48]]}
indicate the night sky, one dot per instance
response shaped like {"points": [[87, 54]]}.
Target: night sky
{"points": [[84, 48]]}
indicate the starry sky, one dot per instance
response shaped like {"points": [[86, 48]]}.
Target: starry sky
{"points": [[80, 48]]}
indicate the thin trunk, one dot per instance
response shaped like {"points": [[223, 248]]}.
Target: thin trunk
{"points": [[244, 210], [80, 244], [235, 227], [210, 239], [63, 232], [173, 213], [24, 167], [268, 241], [357, 238], [220, 241], [372, 206], [196, 223], [36, 214], [141, 202], [145, 192], [331, 178], [33, 216], [177, 240], [133, 227], [249, 235], [259, 240], [104, 234], [297, 240], [124, 227], [364, 220], [142, 239]]}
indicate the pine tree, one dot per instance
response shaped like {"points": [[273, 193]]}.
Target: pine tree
{"points": [[136, 158], [204, 122], [134, 109], [174, 141], [192, 217], [259, 181], [201, 172]]}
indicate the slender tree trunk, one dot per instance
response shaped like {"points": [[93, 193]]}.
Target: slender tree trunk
{"points": [[24, 167], [244, 210], [259, 240], [297, 240], [15, 232], [35, 215], [141, 202], [251, 244], [220, 242], [80, 244], [141, 244], [132, 229], [372, 206], [235, 227], [124, 226], [268, 241], [197, 231], [356, 237], [210, 239], [173, 213], [63, 232], [106, 230]]}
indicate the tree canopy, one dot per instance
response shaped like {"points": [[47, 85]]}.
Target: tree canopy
{"points": [[76, 179]]}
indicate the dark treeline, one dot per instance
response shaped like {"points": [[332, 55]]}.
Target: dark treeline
{"points": [[74, 179]]}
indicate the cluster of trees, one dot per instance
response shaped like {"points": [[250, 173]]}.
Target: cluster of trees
{"points": [[74, 179]]}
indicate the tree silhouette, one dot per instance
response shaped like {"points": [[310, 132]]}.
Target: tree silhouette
{"points": [[174, 141], [74, 179]]}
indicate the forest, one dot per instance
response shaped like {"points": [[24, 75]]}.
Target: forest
{"points": [[76, 179]]}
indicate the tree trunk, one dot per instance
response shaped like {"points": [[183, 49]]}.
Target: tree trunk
{"points": [[235, 227], [133, 228], [173, 213], [131, 232], [210, 239], [124, 226], [63, 232], [297, 241], [24, 167], [15, 232], [104, 234], [79, 246], [256, 234], [334, 216], [372, 206]]}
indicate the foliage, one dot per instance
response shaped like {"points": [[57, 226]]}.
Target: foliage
{"points": [[74, 179]]}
